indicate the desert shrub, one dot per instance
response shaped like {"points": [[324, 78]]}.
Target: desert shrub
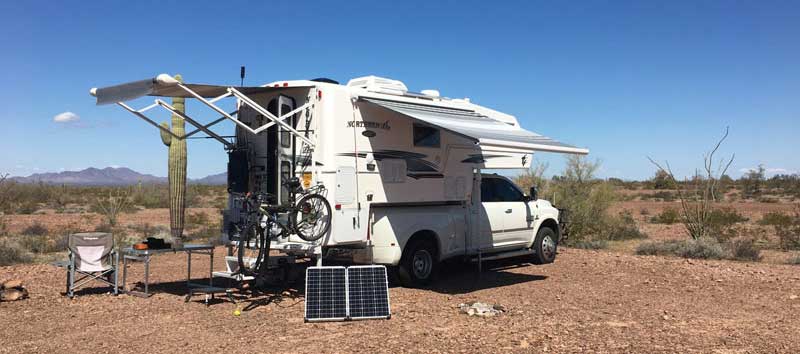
{"points": [[586, 198], [702, 248], [744, 249], [775, 218], [664, 196], [207, 234], [3, 225], [794, 260], [151, 197], [61, 243], [534, 176], [38, 244], [27, 208], [644, 212], [12, 253], [113, 203], [622, 227], [722, 223], [103, 227], [661, 180], [752, 182], [667, 216], [786, 226], [197, 219], [146, 230], [36, 229], [590, 245]]}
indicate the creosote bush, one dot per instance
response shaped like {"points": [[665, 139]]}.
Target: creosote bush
{"points": [[36, 229], [668, 216], [590, 245], [701, 248], [12, 252], [744, 249], [622, 227]]}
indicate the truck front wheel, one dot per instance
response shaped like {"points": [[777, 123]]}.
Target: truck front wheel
{"points": [[545, 246], [419, 264]]}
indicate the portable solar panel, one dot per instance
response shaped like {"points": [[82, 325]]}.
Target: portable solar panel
{"points": [[367, 292], [339, 293], [326, 293]]}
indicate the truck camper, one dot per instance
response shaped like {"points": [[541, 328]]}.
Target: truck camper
{"points": [[369, 172]]}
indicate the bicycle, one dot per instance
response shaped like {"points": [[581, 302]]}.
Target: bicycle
{"points": [[308, 218]]}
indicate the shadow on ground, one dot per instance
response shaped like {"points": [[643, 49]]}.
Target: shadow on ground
{"points": [[455, 277], [462, 278]]}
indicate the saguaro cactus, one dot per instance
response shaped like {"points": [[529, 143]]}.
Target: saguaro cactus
{"points": [[177, 168]]}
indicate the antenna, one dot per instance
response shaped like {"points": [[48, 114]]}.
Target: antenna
{"points": [[241, 76]]}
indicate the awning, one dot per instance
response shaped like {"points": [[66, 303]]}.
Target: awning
{"points": [[166, 86], [489, 133]]}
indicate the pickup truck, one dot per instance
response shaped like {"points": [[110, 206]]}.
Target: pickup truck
{"points": [[500, 221]]}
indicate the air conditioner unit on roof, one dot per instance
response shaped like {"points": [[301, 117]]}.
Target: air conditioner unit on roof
{"points": [[379, 84]]}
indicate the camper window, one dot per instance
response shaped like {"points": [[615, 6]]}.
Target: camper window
{"points": [[286, 136], [425, 136]]}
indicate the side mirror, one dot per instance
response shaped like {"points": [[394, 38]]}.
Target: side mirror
{"points": [[533, 194]]}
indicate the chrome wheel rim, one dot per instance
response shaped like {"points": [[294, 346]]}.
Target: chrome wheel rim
{"points": [[422, 264], [548, 247]]}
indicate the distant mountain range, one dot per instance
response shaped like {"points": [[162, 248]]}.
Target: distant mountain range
{"points": [[109, 176]]}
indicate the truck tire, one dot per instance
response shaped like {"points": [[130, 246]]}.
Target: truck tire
{"points": [[545, 246], [419, 264]]}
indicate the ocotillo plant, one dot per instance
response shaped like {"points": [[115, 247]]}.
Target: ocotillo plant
{"points": [[177, 168]]}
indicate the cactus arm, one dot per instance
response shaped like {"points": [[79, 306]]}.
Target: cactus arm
{"points": [[166, 138]]}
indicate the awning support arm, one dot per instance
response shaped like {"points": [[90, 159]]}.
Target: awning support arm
{"points": [[209, 125], [193, 122], [148, 120], [252, 104], [270, 116]]}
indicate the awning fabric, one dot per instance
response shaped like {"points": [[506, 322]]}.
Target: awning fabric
{"points": [[489, 133], [152, 87]]}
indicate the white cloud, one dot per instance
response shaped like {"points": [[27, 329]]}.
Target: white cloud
{"points": [[66, 117]]}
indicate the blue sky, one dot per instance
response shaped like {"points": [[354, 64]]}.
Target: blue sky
{"points": [[626, 79]]}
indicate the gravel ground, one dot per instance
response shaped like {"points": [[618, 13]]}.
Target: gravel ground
{"points": [[588, 301]]}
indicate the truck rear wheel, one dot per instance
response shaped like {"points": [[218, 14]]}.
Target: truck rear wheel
{"points": [[419, 264], [545, 246]]}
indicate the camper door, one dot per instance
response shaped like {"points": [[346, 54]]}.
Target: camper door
{"points": [[282, 142]]}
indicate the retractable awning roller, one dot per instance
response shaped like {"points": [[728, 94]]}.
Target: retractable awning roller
{"points": [[489, 133]]}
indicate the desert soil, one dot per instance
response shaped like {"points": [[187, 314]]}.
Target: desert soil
{"points": [[588, 301]]}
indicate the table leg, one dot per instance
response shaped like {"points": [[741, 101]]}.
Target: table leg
{"points": [[188, 268], [211, 270], [146, 275], [124, 272]]}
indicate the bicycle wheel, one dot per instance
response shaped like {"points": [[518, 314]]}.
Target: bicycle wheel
{"points": [[311, 217], [251, 250]]}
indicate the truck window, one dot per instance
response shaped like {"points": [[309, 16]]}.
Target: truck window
{"points": [[499, 190], [425, 136]]}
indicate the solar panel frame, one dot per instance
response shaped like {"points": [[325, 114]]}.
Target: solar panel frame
{"points": [[320, 306], [368, 292]]}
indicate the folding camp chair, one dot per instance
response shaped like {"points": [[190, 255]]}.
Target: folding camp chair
{"points": [[92, 256]]}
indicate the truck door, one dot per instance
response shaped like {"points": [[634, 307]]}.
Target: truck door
{"points": [[518, 216], [502, 204]]}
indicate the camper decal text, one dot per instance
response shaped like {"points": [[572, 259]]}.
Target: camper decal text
{"points": [[368, 124]]}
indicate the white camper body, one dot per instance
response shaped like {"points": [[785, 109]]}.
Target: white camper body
{"points": [[400, 168]]}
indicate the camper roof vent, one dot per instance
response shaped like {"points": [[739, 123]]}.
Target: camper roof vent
{"points": [[379, 84], [431, 93]]}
